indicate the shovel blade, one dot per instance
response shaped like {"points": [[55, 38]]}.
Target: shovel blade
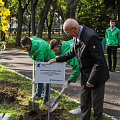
{"points": [[33, 106], [53, 104], [52, 100]]}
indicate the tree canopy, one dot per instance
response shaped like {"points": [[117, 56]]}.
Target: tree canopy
{"points": [[4, 13], [40, 15]]}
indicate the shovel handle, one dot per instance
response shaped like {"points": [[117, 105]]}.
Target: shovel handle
{"points": [[62, 91], [58, 96]]}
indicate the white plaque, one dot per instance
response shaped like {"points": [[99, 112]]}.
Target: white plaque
{"points": [[50, 73]]}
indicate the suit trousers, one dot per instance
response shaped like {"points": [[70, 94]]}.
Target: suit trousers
{"points": [[92, 97]]}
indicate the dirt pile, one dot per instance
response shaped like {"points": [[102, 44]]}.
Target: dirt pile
{"points": [[8, 92], [43, 115]]}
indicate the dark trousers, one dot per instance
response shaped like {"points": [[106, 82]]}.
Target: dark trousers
{"points": [[112, 50], [92, 97]]}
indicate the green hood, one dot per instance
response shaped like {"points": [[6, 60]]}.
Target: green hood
{"points": [[66, 47], [39, 50]]}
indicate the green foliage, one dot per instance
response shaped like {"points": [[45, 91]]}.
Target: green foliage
{"points": [[13, 6], [93, 13], [4, 13]]}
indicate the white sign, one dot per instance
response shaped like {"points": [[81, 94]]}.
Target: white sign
{"points": [[50, 73]]}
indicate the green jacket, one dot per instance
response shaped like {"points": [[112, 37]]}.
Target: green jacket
{"points": [[66, 46], [39, 50], [103, 42], [112, 38]]}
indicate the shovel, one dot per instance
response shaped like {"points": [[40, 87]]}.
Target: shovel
{"points": [[32, 105], [55, 102]]}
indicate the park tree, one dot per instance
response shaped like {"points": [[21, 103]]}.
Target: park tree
{"points": [[22, 6], [71, 6], [113, 5], [95, 15], [2, 32], [29, 18], [62, 10], [118, 9], [43, 16], [49, 22], [50, 17], [65, 9], [33, 8], [26, 26], [55, 16], [4, 13], [12, 6], [115, 8]]}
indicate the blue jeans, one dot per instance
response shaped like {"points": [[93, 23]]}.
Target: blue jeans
{"points": [[46, 90]]}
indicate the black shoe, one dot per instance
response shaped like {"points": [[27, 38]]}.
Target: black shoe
{"points": [[113, 70], [109, 69]]}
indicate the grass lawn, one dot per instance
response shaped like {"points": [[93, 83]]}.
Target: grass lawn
{"points": [[10, 83]]}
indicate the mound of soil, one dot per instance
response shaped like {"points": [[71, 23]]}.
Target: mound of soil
{"points": [[8, 92], [42, 115]]}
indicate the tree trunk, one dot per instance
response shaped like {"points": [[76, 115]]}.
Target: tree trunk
{"points": [[20, 21], [10, 27], [58, 25], [53, 28], [33, 6], [71, 8], [29, 26], [19, 29], [43, 16], [50, 25], [116, 11], [70, 13], [49, 32], [2, 36], [118, 3]]}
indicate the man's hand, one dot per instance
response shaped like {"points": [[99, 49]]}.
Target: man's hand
{"points": [[89, 85], [52, 61], [66, 84]]}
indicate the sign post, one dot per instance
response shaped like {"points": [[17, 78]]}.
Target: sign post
{"points": [[50, 73]]}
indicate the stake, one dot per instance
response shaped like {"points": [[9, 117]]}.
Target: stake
{"points": [[33, 86], [49, 103]]}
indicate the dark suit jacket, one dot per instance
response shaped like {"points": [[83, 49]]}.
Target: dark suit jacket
{"points": [[90, 56]]}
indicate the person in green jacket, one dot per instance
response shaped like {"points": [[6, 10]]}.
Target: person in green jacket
{"points": [[60, 49], [112, 36], [38, 50], [103, 42]]}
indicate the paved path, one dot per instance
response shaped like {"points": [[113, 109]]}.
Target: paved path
{"points": [[21, 62]]}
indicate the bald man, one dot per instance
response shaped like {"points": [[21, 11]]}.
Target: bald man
{"points": [[92, 64]]}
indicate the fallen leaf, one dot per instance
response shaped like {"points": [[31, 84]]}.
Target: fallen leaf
{"points": [[74, 89]]}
